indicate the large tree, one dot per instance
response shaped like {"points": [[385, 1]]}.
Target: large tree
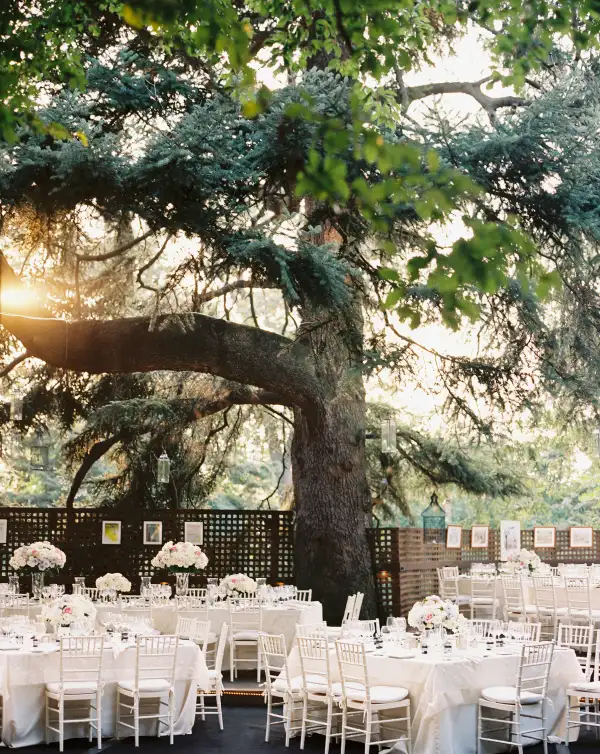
{"points": [[169, 172]]}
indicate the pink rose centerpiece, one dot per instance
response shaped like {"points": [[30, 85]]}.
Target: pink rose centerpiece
{"points": [[70, 609], [237, 585]]}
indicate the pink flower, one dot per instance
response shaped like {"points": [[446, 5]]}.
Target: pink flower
{"points": [[67, 610]]}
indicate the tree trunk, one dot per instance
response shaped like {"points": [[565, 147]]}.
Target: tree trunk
{"points": [[332, 553]]}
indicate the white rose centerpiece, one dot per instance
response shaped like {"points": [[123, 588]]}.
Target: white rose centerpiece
{"points": [[237, 585], [525, 561], [113, 582], [38, 557], [69, 609], [181, 558], [434, 612]]}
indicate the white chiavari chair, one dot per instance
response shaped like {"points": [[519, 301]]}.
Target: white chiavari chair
{"points": [[348, 615], [364, 628], [91, 592], [357, 607], [317, 688], [485, 628], [185, 627], [215, 677], [245, 623], [197, 608], [583, 697], [197, 593], [79, 681], [195, 630], [362, 702], [483, 595], [548, 613], [527, 699], [279, 685], [515, 604], [519, 631], [448, 579], [319, 630], [579, 638], [304, 595], [154, 678], [16, 605], [576, 570], [136, 609], [578, 592]]}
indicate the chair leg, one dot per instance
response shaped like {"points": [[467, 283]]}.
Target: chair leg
{"points": [[136, 721], [99, 719], [304, 714], [219, 706], [544, 734], [231, 660], [268, 725], [47, 721], [328, 725], [368, 724], [171, 717], [61, 723], [202, 708], [477, 743], [288, 720], [118, 720], [409, 731], [344, 724]]}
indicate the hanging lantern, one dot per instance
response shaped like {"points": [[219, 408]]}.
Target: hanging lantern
{"points": [[39, 452], [388, 436], [163, 469], [16, 409], [434, 521]]}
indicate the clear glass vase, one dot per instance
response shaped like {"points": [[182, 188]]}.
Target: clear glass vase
{"points": [[145, 587], [182, 582], [13, 584], [37, 584]]}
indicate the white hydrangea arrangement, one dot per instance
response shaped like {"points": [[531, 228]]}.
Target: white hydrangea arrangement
{"points": [[113, 582], [433, 612], [180, 557], [68, 609], [237, 585], [38, 556], [525, 561]]}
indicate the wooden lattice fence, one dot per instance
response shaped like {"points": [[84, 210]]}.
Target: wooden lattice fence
{"points": [[405, 563], [259, 543]]}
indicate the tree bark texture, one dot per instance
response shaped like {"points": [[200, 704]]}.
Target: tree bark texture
{"points": [[332, 496]]}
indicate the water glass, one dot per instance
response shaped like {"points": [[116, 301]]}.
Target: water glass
{"points": [[13, 583]]}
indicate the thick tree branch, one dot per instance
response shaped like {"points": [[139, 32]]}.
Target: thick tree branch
{"points": [[115, 252], [14, 363], [472, 88], [237, 285], [94, 454], [194, 343]]}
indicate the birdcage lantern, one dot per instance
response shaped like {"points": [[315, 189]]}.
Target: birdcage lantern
{"points": [[434, 521], [39, 452], [388, 436], [163, 468], [16, 409]]}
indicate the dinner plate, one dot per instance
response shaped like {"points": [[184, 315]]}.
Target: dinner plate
{"points": [[400, 654]]}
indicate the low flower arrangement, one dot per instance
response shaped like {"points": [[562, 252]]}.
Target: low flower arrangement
{"points": [[38, 557], [525, 561], [434, 612], [115, 582], [237, 585], [180, 557], [69, 609]]}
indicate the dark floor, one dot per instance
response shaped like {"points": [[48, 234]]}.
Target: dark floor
{"points": [[244, 732]]}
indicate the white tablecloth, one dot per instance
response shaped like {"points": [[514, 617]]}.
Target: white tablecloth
{"points": [[444, 692], [23, 676]]}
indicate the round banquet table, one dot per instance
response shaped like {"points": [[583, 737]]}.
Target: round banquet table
{"points": [[276, 620], [444, 691], [23, 675]]}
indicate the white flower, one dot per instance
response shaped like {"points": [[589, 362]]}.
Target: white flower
{"points": [[524, 561], [68, 609], [433, 612], [41, 556], [115, 581], [237, 583], [180, 555]]}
